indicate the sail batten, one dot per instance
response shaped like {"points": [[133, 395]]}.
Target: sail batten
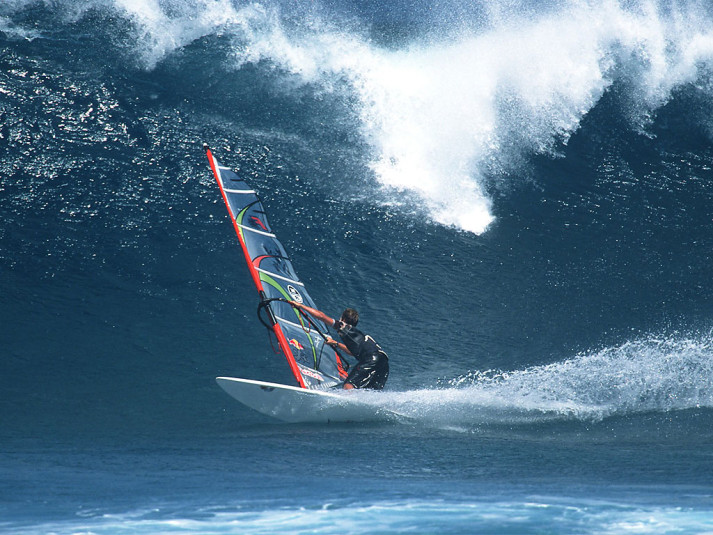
{"points": [[258, 231], [239, 191], [314, 364]]}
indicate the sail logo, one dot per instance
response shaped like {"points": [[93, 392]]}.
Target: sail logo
{"points": [[311, 373], [295, 343], [258, 223], [296, 296]]}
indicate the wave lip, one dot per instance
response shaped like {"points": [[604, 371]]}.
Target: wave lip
{"points": [[444, 115]]}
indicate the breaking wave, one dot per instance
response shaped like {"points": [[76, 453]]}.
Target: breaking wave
{"points": [[449, 114]]}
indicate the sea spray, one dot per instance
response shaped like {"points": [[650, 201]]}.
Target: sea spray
{"points": [[448, 116], [649, 375]]}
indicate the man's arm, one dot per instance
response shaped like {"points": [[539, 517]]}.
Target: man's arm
{"points": [[331, 342], [326, 319], [314, 312]]}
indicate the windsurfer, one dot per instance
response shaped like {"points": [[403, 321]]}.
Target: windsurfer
{"points": [[372, 370]]}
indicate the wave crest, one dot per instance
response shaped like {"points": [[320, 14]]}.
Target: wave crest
{"points": [[447, 113]]}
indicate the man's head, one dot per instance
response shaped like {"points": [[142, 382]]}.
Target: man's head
{"points": [[350, 317]]}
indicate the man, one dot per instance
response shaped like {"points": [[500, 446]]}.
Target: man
{"points": [[372, 370]]}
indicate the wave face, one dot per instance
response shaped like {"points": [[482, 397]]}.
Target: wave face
{"points": [[585, 125]]}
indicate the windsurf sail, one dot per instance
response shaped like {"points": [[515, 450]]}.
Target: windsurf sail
{"points": [[314, 364]]}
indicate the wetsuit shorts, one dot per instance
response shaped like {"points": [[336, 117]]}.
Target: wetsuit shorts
{"points": [[370, 372]]}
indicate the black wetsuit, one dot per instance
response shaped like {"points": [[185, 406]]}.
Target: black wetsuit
{"points": [[372, 370]]}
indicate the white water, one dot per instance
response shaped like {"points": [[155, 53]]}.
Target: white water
{"points": [[536, 514], [650, 375], [444, 115], [447, 114]]}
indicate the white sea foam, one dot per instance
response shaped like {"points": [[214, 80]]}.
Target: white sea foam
{"points": [[464, 516]]}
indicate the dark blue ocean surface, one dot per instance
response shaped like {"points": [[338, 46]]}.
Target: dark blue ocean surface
{"points": [[516, 196]]}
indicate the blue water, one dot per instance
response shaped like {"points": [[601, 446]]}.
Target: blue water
{"points": [[516, 196]]}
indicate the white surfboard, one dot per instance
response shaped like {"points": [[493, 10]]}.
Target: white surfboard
{"points": [[300, 405]]}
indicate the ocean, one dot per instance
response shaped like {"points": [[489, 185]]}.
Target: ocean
{"points": [[516, 195]]}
